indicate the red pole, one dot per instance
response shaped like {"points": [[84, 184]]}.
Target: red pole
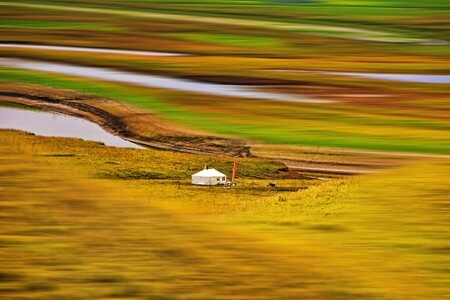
{"points": [[233, 177]]}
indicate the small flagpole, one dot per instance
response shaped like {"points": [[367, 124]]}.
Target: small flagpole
{"points": [[233, 177]]}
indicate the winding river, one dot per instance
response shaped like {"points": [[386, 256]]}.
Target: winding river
{"points": [[413, 78], [53, 124], [127, 77]]}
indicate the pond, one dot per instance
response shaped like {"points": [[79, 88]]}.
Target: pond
{"points": [[53, 124]]}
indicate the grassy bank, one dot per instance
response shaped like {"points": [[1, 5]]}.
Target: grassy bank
{"points": [[411, 129]]}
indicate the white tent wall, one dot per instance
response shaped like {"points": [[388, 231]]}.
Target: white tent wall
{"points": [[209, 177], [204, 180]]}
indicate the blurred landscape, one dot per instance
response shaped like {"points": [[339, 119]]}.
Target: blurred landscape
{"points": [[336, 112]]}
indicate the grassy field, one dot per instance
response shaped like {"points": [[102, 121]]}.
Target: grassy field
{"points": [[71, 229], [296, 24], [79, 220]]}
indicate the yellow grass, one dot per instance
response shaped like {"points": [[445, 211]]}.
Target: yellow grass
{"points": [[66, 235]]}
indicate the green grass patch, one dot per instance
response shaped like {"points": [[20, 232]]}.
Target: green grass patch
{"points": [[232, 40]]}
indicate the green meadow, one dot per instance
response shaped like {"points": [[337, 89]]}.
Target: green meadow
{"points": [[231, 40]]}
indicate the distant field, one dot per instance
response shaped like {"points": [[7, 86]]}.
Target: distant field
{"points": [[56, 25], [393, 21]]}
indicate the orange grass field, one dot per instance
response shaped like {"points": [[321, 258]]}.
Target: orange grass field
{"points": [[70, 230]]}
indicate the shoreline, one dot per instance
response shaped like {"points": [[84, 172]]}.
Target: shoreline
{"points": [[195, 144], [170, 138]]}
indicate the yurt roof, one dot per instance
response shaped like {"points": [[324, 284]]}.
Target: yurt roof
{"points": [[209, 173]]}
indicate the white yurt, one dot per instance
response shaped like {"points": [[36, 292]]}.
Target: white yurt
{"points": [[209, 177]]}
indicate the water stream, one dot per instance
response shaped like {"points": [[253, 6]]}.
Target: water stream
{"points": [[146, 80], [413, 78]]}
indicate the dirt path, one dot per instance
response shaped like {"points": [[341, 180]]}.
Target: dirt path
{"points": [[336, 161]]}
